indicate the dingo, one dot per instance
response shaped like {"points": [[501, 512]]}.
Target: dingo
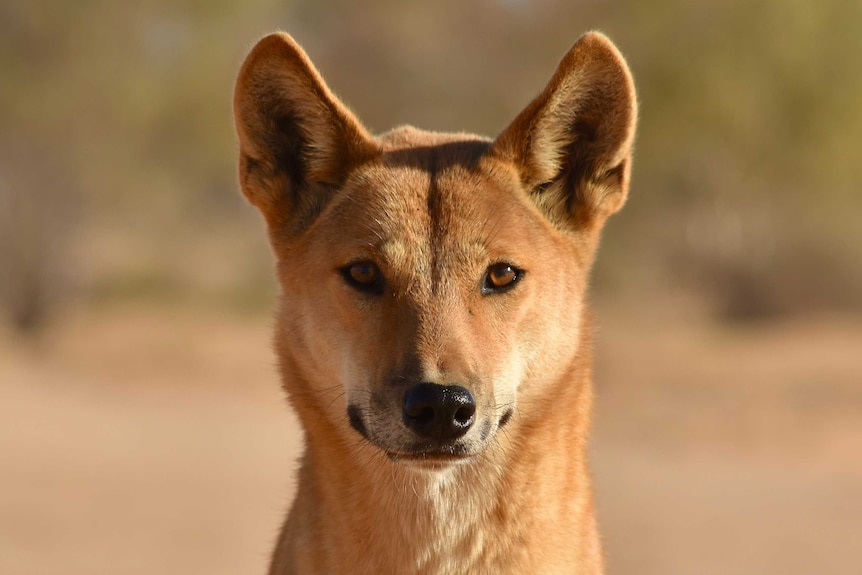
{"points": [[433, 333]]}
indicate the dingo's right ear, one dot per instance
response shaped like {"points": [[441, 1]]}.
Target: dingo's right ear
{"points": [[297, 141]]}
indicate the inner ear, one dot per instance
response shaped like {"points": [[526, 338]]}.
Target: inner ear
{"points": [[572, 145], [298, 142]]}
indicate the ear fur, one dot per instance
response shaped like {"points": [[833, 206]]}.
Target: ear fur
{"points": [[297, 141], [572, 145]]}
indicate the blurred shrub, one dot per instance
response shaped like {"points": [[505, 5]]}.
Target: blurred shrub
{"points": [[37, 215]]}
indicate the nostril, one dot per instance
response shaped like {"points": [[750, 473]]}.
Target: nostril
{"points": [[459, 404], [424, 415], [464, 414], [421, 408]]}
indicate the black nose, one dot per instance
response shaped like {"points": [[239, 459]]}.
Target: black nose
{"points": [[443, 412]]}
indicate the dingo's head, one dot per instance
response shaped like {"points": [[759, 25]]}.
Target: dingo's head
{"points": [[431, 282]]}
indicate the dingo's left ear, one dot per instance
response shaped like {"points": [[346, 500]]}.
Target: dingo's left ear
{"points": [[297, 141], [573, 144]]}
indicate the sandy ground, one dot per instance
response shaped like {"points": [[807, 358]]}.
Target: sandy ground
{"points": [[139, 441]]}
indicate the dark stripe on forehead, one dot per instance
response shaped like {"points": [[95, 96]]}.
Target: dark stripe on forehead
{"points": [[435, 219], [436, 159]]}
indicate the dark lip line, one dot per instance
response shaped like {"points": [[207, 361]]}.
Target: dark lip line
{"points": [[436, 455], [429, 457]]}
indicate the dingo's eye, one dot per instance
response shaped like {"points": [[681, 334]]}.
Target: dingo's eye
{"points": [[363, 276], [501, 277]]}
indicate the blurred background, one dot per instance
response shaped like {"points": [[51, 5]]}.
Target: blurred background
{"points": [[143, 429]]}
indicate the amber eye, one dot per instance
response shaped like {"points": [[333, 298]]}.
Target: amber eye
{"points": [[501, 277], [363, 276]]}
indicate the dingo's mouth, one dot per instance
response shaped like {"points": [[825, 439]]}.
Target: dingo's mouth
{"points": [[428, 452]]}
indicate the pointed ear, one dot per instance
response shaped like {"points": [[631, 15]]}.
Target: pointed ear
{"points": [[572, 146], [297, 142]]}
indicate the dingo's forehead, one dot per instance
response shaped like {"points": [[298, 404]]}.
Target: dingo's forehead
{"points": [[423, 210]]}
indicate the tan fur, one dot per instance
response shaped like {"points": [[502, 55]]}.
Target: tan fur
{"points": [[433, 212]]}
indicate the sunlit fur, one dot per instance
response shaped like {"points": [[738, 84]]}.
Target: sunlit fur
{"points": [[433, 212]]}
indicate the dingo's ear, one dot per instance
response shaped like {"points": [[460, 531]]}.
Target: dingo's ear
{"points": [[297, 141], [572, 145]]}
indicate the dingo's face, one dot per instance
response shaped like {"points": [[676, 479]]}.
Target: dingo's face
{"points": [[433, 270], [431, 282]]}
